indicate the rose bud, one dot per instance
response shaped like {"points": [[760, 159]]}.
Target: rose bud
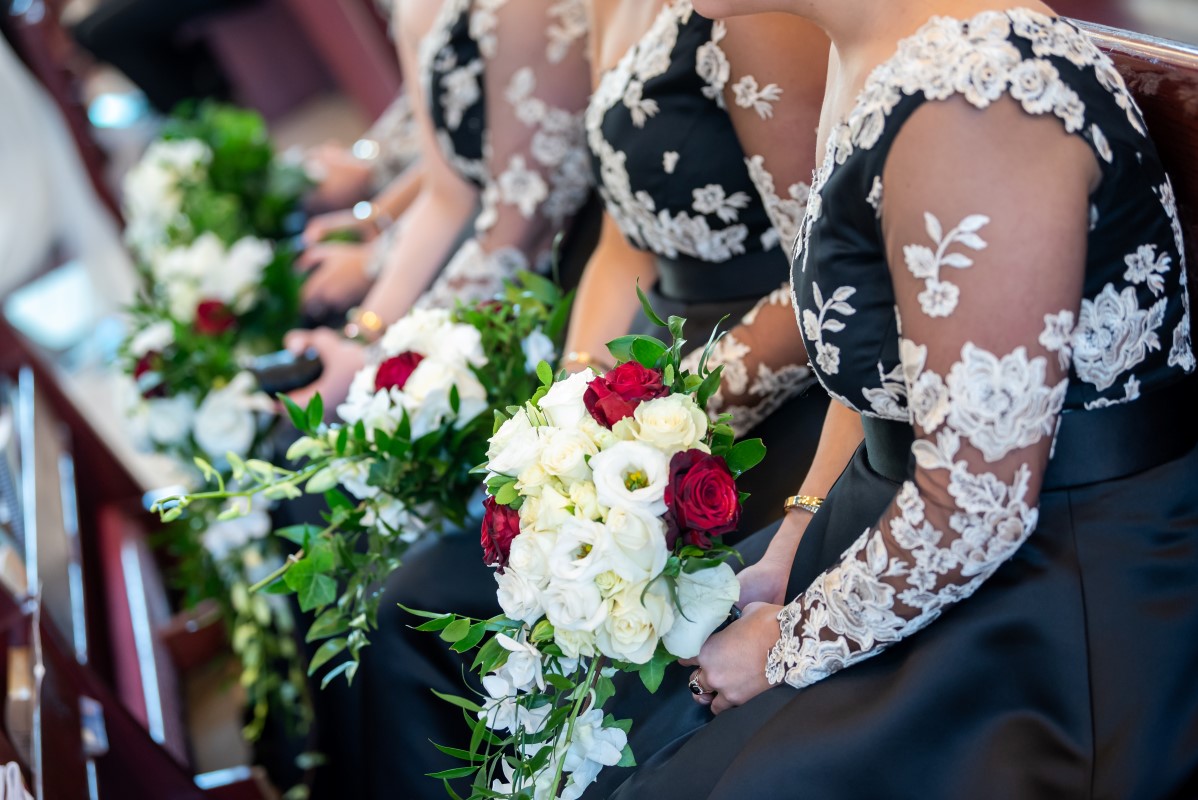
{"points": [[614, 395], [701, 498], [214, 318], [501, 525], [395, 372]]}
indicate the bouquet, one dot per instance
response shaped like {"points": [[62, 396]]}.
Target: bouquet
{"points": [[207, 208], [400, 463], [607, 497]]}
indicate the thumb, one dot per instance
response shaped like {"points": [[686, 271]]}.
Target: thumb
{"points": [[298, 341]]}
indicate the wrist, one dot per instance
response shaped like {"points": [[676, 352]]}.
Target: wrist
{"points": [[363, 326], [372, 214]]}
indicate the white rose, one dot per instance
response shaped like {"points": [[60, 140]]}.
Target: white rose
{"points": [[635, 548], [237, 273], [632, 475], [574, 606], [519, 598], [585, 500], [529, 556], [537, 348], [523, 666], [169, 419], [426, 396], [705, 598], [227, 420], [154, 338], [519, 452], [563, 405], [512, 429], [575, 644], [601, 436], [565, 455], [460, 344], [418, 332], [637, 618], [672, 423], [546, 512], [224, 536]]}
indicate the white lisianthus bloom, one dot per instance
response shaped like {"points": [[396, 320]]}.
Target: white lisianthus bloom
{"points": [[705, 598], [672, 423], [519, 597], [460, 344], [635, 623], [537, 348], [523, 668], [565, 455], [632, 475], [418, 331], [227, 419], [574, 606], [580, 552], [151, 191], [154, 338], [426, 396], [562, 404], [169, 420], [224, 536], [592, 747], [635, 547]]}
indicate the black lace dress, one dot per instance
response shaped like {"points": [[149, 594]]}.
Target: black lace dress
{"points": [[998, 599]]}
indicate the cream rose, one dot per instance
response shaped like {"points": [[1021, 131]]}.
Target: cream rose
{"points": [[565, 455], [672, 423], [634, 625], [519, 597], [635, 547], [574, 605]]}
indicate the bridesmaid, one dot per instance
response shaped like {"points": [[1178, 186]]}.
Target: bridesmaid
{"points": [[1020, 616], [499, 96], [691, 132]]}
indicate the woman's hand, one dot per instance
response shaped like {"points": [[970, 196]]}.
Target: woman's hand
{"points": [[765, 581], [338, 278], [731, 665], [342, 179], [322, 226], [341, 359]]}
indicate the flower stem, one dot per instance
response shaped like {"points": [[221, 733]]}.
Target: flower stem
{"points": [[278, 573]]}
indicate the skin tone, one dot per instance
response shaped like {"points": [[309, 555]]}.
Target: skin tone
{"points": [[1052, 226]]}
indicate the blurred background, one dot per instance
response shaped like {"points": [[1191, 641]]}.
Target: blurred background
{"points": [[85, 86]]}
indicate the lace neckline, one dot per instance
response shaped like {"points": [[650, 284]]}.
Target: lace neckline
{"points": [[681, 10]]}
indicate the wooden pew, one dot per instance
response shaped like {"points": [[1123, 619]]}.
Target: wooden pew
{"points": [[1163, 76]]}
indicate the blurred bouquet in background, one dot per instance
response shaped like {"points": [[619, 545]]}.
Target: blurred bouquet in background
{"points": [[401, 463], [209, 209]]}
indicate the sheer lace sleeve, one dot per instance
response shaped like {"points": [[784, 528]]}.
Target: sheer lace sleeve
{"points": [[770, 72], [536, 82], [985, 219]]}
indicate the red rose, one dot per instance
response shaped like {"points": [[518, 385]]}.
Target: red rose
{"points": [[501, 524], [148, 365], [615, 395], [702, 500], [214, 317], [394, 372]]}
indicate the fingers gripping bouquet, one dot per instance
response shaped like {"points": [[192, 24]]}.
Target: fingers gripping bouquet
{"points": [[607, 498], [400, 463]]}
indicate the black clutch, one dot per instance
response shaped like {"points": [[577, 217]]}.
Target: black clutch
{"points": [[284, 371]]}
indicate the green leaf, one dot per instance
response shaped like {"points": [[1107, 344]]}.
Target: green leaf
{"points": [[621, 348], [325, 652], [277, 587], [653, 672], [298, 418], [450, 774], [315, 411], [648, 351], [458, 753], [648, 307], [435, 624], [710, 386], [456, 630], [330, 623], [744, 456], [626, 757], [460, 702], [313, 589], [545, 373], [425, 614], [332, 674], [471, 639], [297, 534], [507, 494]]}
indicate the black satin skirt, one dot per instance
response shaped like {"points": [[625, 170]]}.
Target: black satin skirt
{"points": [[1071, 673]]}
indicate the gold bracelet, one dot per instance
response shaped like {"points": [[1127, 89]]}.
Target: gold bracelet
{"points": [[363, 326], [806, 502], [582, 358]]}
